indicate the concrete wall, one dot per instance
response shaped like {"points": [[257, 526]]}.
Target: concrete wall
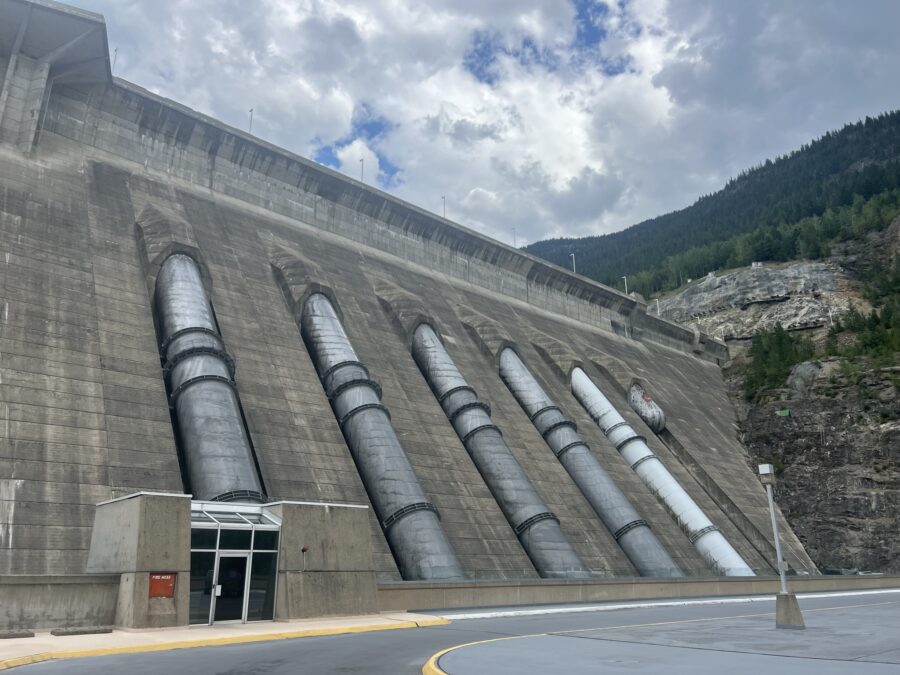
{"points": [[336, 575], [408, 596], [58, 601]]}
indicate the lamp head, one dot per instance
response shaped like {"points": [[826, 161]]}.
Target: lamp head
{"points": [[767, 473]]}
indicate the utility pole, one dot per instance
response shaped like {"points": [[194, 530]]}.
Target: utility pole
{"points": [[626, 284], [362, 167], [787, 610], [250, 128], [572, 256]]}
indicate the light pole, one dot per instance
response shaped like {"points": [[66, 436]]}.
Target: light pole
{"points": [[787, 610], [444, 201], [572, 256], [626, 284], [250, 127], [362, 166]]}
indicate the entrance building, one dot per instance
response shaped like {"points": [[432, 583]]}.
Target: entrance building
{"points": [[234, 562]]}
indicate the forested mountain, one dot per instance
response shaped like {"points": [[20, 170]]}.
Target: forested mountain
{"points": [[836, 187]]}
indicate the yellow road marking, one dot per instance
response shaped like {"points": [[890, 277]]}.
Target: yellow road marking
{"points": [[214, 642]]}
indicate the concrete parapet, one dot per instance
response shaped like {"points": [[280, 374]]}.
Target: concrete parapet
{"points": [[45, 602], [402, 596]]}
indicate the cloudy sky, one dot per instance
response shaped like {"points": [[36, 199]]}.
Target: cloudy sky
{"points": [[543, 118]]}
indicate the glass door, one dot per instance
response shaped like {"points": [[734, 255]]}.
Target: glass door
{"points": [[231, 588]]}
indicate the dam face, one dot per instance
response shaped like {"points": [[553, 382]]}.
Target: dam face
{"points": [[103, 183]]}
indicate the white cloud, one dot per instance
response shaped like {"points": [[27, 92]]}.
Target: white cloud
{"points": [[559, 136], [357, 159]]}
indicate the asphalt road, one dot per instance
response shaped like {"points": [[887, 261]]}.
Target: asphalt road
{"points": [[847, 634]]}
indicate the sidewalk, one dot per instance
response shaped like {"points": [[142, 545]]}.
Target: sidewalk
{"points": [[44, 647]]}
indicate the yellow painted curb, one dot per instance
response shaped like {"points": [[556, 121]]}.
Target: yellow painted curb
{"points": [[214, 642], [431, 666]]}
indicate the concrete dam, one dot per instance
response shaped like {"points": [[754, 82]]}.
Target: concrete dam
{"points": [[260, 388]]}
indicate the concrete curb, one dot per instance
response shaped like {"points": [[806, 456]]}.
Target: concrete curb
{"points": [[214, 642], [431, 666]]}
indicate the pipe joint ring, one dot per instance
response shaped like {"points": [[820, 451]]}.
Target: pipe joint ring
{"points": [[566, 448], [406, 510], [526, 524], [465, 439], [193, 351], [194, 380], [469, 406], [643, 459], [359, 409], [629, 440], [608, 430], [618, 534], [192, 329], [543, 410], [556, 425], [357, 382], [240, 496], [342, 364], [699, 533], [450, 392]]}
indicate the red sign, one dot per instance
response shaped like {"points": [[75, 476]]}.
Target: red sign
{"points": [[162, 584]]}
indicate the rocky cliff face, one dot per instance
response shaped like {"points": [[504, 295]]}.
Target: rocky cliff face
{"points": [[801, 296], [834, 436], [833, 430]]}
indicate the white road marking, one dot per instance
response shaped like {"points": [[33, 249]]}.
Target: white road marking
{"points": [[537, 611]]}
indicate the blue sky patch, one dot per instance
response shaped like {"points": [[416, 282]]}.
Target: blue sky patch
{"points": [[588, 18]]}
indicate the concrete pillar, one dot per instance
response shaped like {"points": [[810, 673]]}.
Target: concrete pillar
{"points": [[21, 98], [138, 536]]}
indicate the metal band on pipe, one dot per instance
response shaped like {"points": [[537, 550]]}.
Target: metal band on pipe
{"points": [[699, 533], [194, 380], [481, 428], [359, 382], [343, 364], [643, 459], [543, 410], [469, 406], [525, 524], [241, 496], [364, 406], [406, 510], [630, 526], [463, 387], [557, 425], [193, 351], [610, 429], [566, 448], [629, 440], [191, 329]]}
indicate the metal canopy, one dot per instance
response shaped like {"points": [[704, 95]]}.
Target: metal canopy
{"points": [[233, 516]]}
